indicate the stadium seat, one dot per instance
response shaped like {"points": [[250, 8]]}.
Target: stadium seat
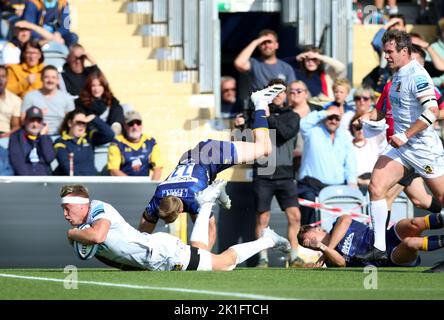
{"points": [[340, 196], [55, 54]]}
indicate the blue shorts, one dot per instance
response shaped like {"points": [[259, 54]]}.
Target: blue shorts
{"points": [[214, 155], [392, 241]]}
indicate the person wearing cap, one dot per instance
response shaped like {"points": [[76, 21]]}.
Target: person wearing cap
{"points": [[30, 149], [132, 153], [79, 135]]}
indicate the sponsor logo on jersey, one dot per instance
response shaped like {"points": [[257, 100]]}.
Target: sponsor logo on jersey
{"points": [[347, 244], [182, 192], [421, 83], [428, 169], [398, 87]]}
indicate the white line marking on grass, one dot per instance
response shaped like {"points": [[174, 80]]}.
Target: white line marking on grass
{"points": [[131, 286]]}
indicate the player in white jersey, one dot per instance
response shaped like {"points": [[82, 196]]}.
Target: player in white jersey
{"points": [[415, 144], [124, 247]]}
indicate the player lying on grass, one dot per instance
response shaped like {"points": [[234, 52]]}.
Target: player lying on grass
{"points": [[349, 238], [199, 166], [122, 246]]}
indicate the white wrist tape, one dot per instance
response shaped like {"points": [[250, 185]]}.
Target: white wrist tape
{"points": [[428, 117], [401, 136], [75, 200]]}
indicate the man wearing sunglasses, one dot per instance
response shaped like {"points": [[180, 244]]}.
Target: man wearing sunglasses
{"points": [[132, 153], [328, 157]]}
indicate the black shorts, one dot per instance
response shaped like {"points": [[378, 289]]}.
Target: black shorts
{"points": [[285, 190], [194, 258], [408, 177]]}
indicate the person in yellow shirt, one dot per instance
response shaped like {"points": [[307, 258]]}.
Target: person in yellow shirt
{"points": [[26, 75], [132, 153]]}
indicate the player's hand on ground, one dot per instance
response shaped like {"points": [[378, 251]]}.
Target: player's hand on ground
{"points": [[320, 263]]}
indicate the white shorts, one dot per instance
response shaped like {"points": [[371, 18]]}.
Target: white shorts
{"points": [[428, 164]]}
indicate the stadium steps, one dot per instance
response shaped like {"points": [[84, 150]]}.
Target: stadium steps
{"points": [[144, 73]]}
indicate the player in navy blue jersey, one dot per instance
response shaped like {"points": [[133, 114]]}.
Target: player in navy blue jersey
{"points": [[198, 167], [349, 239]]}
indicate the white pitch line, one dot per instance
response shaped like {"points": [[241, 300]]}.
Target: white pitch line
{"points": [[131, 286]]}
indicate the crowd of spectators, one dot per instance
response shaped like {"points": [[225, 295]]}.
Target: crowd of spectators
{"points": [[53, 116]]}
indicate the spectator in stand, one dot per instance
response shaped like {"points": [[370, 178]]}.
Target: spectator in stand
{"points": [[79, 135], [132, 153], [5, 166], [280, 183], [298, 99], [328, 157], [30, 149], [318, 72], [26, 76], [75, 72], [434, 62], [10, 12], [364, 99], [268, 66], [9, 107], [230, 105], [97, 98], [341, 89], [22, 34], [52, 15], [54, 103]]}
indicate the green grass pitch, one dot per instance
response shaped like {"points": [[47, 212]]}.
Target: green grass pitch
{"points": [[243, 283]]}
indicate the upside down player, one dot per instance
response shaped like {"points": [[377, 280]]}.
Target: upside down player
{"points": [[349, 238], [414, 144], [199, 166]]}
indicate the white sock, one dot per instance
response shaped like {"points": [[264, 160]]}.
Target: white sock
{"points": [[263, 255], [200, 228], [249, 249], [378, 213], [261, 105], [294, 253]]}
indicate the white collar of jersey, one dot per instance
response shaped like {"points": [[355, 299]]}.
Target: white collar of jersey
{"points": [[75, 200], [406, 68]]}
